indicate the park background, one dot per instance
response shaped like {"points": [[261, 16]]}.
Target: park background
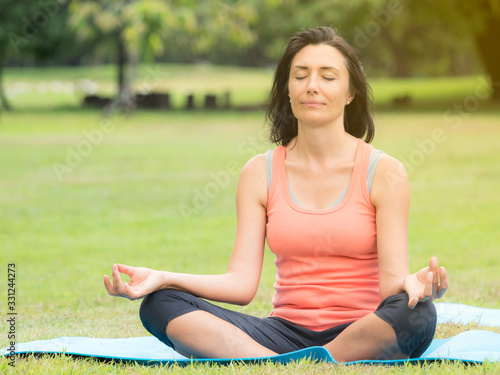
{"points": [[124, 125]]}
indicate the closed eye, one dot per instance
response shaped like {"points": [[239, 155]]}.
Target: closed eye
{"points": [[303, 77]]}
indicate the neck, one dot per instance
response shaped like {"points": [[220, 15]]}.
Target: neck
{"points": [[321, 144]]}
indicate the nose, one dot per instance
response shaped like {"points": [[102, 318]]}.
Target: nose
{"points": [[312, 85]]}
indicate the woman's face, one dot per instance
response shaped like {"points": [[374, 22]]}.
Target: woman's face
{"points": [[318, 85]]}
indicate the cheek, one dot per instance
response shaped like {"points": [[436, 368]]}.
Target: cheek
{"points": [[292, 91]]}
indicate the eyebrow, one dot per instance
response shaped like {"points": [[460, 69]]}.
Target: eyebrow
{"points": [[321, 68]]}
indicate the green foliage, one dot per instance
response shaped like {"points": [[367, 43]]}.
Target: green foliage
{"points": [[33, 29], [19, 27], [36, 31], [144, 27], [393, 37], [465, 17], [147, 26], [138, 23]]}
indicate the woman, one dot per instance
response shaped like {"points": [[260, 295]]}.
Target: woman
{"points": [[335, 213]]}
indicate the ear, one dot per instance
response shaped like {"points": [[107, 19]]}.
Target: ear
{"points": [[350, 96]]}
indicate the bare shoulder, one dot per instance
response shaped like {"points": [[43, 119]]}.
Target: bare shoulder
{"points": [[389, 165], [253, 179], [256, 165], [390, 180]]}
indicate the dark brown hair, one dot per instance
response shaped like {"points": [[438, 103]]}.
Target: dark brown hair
{"points": [[357, 117]]}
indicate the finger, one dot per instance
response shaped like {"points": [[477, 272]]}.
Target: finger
{"points": [[433, 267], [443, 285], [412, 302], [117, 281], [125, 269], [128, 292], [107, 283], [428, 289]]}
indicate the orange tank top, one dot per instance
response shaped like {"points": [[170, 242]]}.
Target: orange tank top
{"points": [[326, 259]]}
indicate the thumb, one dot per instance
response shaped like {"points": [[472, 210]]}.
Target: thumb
{"points": [[412, 301], [410, 291]]}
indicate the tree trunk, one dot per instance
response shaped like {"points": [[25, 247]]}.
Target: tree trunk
{"points": [[3, 97], [489, 49], [122, 62], [127, 62], [400, 54]]}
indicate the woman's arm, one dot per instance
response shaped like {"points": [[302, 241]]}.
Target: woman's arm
{"points": [[240, 282], [391, 197]]}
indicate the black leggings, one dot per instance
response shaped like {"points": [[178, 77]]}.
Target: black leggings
{"points": [[414, 328]]}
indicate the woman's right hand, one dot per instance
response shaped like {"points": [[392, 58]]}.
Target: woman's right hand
{"points": [[143, 281]]}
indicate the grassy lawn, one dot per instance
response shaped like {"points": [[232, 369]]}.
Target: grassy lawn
{"points": [[148, 191]]}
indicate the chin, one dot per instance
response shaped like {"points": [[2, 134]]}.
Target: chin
{"points": [[316, 121], [321, 117]]}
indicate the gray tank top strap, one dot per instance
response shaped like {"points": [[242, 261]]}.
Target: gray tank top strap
{"points": [[269, 167], [375, 157]]}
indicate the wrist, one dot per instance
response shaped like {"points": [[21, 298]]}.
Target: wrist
{"points": [[403, 283], [165, 279]]}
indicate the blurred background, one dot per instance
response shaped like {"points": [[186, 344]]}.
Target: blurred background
{"points": [[221, 53]]}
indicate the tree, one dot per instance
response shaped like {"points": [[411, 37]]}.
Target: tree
{"points": [[410, 40], [31, 30], [140, 29], [397, 38], [4, 103], [13, 36], [486, 29], [480, 20]]}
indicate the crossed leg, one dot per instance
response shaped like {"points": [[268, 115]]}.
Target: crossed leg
{"points": [[210, 331], [203, 335], [368, 338]]}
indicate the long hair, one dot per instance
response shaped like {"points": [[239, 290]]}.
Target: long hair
{"points": [[357, 117]]}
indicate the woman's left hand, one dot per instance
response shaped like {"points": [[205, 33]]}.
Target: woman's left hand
{"points": [[427, 284], [143, 281]]}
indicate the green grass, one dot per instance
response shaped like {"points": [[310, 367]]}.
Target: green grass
{"points": [[122, 203]]}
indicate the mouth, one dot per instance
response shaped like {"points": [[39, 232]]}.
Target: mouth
{"points": [[312, 103]]}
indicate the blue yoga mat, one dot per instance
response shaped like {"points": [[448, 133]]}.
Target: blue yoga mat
{"points": [[472, 346], [458, 313]]}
